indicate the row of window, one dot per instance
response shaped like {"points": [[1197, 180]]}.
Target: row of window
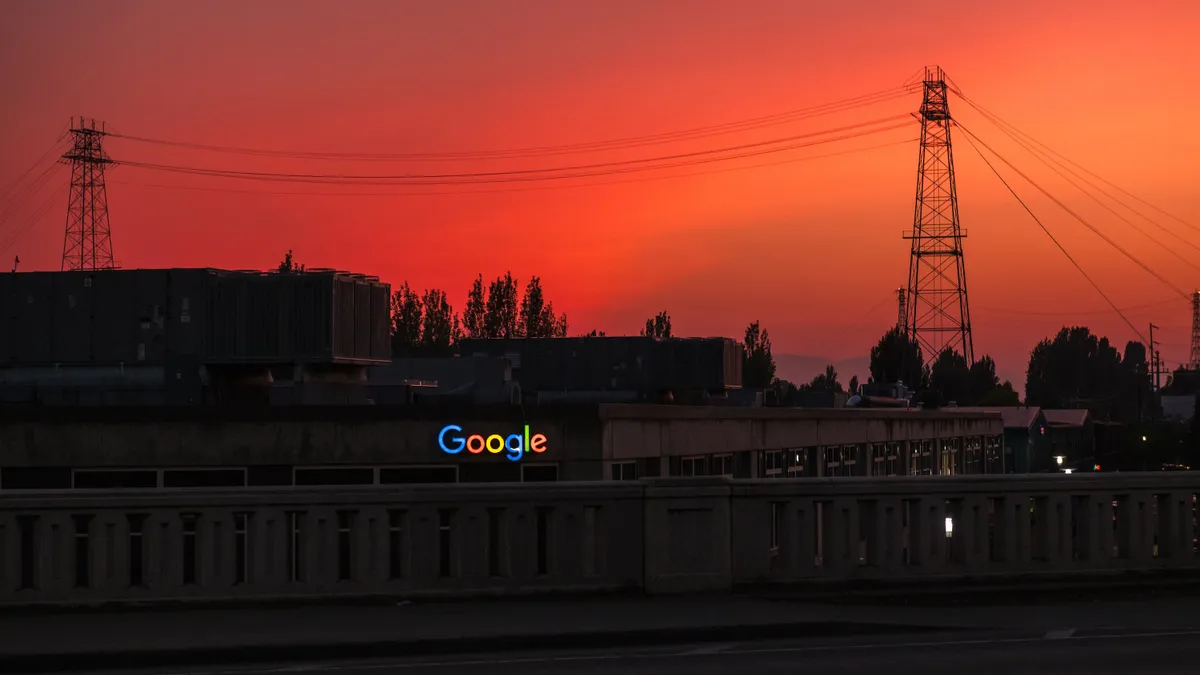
{"points": [[246, 527], [926, 457], [55, 478]]}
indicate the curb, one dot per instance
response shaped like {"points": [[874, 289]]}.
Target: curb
{"points": [[335, 651]]}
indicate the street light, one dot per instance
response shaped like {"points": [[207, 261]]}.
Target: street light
{"points": [[1059, 459]]}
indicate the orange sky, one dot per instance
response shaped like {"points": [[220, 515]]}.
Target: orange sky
{"points": [[807, 247]]}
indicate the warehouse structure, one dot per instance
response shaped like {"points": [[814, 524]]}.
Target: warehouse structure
{"points": [[81, 447], [184, 336]]}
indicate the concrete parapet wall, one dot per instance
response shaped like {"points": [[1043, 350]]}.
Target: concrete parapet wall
{"points": [[657, 535]]}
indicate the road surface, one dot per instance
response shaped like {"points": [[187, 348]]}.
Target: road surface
{"points": [[1063, 652]]}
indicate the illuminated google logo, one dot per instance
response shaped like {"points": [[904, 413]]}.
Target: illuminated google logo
{"points": [[514, 444]]}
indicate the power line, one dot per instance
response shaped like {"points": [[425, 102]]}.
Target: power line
{"points": [[1131, 308], [1049, 234], [1047, 159], [52, 151], [37, 215], [549, 186], [574, 148], [1068, 160], [563, 172], [1086, 224], [25, 193]]}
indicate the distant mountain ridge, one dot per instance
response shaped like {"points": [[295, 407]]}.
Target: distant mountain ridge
{"points": [[801, 369]]}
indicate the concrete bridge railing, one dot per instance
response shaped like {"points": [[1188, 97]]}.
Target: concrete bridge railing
{"points": [[660, 535]]}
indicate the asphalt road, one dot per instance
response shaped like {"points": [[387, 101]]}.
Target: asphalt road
{"points": [[1057, 653]]}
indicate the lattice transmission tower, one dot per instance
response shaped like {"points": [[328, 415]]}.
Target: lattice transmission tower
{"points": [[937, 316], [1194, 361], [901, 306], [87, 244]]}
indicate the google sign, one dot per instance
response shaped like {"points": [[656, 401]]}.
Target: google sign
{"points": [[452, 442]]}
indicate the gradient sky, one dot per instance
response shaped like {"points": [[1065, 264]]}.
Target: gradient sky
{"points": [[811, 248]]}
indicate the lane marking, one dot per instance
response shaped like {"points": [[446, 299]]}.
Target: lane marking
{"points": [[671, 655], [1060, 634]]}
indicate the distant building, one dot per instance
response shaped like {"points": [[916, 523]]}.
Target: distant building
{"points": [[1034, 438], [1179, 408]]}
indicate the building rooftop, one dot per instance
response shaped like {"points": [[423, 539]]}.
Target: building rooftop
{"points": [[1015, 417], [1066, 418]]}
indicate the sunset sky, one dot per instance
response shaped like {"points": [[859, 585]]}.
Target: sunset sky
{"points": [[812, 247]]}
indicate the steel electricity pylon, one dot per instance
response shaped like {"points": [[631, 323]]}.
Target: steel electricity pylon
{"points": [[936, 314], [901, 304], [87, 244]]}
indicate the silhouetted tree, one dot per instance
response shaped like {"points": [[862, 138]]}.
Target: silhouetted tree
{"points": [[784, 392], [440, 325], [407, 311], [289, 264], [1001, 396], [981, 379], [1075, 369], [1137, 400], [537, 317], [853, 388], [475, 314], [951, 377], [897, 359], [659, 326], [826, 381], [502, 308], [595, 333], [758, 365]]}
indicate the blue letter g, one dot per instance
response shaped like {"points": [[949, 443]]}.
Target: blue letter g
{"points": [[458, 441]]}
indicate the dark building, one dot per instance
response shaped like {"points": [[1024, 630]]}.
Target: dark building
{"points": [[220, 446], [181, 336], [618, 368]]}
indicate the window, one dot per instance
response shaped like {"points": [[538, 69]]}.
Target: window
{"points": [[335, 476], [921, 459], [692, 466], [623, 471], [402, 475], [34, 478], [204, 478], [772, 464], [841, 460], [800, 462], [96, 479], [722, 465], [539, 473]]}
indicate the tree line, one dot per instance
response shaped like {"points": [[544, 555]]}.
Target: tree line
{"points": [[1072, 369], [424, 323]]}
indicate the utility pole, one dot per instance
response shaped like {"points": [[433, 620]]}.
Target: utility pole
{"points": [[1153, 360], [1194, 361], [901, 297], [937, 315], [86, 245]]}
